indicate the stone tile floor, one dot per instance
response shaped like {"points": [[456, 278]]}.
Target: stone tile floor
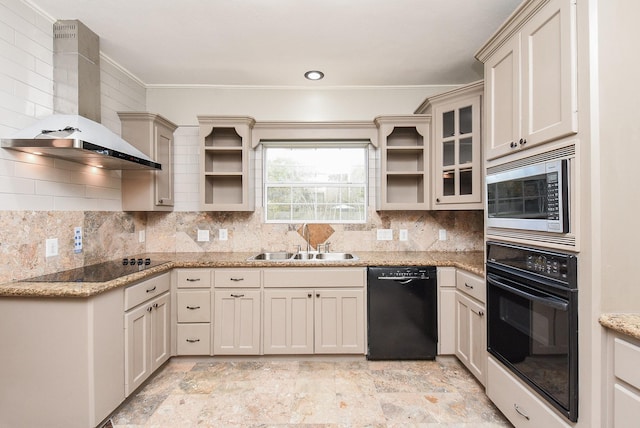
{"points": [[309, 393]]}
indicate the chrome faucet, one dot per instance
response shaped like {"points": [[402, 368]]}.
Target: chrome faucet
{"points": [[305, 235]]}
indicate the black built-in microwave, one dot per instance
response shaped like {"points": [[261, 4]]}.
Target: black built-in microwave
{"points": [[533, 197]]}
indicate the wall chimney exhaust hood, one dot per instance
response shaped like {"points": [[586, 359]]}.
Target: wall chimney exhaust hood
{"points": [[75, 134], [78, 139]]}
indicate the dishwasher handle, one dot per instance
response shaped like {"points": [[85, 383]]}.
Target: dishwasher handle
{"points": [[403, 279]]}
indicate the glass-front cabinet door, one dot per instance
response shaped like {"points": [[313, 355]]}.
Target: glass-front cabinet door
{"points": [[457, 157]]}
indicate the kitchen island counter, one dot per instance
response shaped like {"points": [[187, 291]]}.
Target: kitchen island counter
{"points": [[471, 261]]}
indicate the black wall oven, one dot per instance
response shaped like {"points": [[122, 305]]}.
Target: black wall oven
{"points": [[532, 324]]}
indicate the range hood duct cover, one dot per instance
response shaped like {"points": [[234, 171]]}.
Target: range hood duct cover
{"points": [[74, 133]]}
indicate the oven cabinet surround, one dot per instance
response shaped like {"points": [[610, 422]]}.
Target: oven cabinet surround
{"points": [[471, 324], [236, 314], [226, 165], [404, 174], [147, 329], [63, 359], [530, 77], [517, 402], [623, 380], [314, 311], [192, 311], [457, 147], [152, 134]]}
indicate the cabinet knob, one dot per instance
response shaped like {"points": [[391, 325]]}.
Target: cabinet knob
{"points": [[317, 294], [149, 309], [155, 305], [481, 313], [513, 144], [437, 199], [523, 141], [309, 295]]}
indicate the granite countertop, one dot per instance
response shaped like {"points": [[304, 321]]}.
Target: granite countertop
{"points": [[472, 261], [628, 324]]}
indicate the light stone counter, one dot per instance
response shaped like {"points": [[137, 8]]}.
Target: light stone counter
{"points": [[472, 261], [628, 324]]}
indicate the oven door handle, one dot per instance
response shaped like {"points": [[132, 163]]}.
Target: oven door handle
{"points": [[548, 301]]}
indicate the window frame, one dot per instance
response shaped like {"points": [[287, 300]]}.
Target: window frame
{"points": [[316, 144]]}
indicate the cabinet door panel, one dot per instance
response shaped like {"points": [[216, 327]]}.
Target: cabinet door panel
{"points": [[549, 89], [237, 322], [288, 321], [339, 321], [137, 333], [160, 328], [502, 75]]}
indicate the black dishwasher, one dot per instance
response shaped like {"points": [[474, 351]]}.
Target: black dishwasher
{"points": [[402, 313]]}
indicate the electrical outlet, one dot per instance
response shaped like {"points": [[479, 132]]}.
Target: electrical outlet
{"points": [[51, 247], [203, 235], [223, 235], [384, 234], [403, 235], [77, 239], [442, 234], [142, 236]]}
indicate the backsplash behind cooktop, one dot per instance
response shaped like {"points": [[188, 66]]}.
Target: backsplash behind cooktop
{"points": [[109, 235]]}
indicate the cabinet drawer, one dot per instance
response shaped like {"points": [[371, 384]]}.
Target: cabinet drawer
{"points": [[626, 356], [315, 277], [472, 285], [244, 278], [626, 407], [194, 306], [514, 400], [145, 290], [194, 339], [193, 278]]}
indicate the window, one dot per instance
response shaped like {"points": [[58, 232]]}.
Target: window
{"points": [[315, 182]]}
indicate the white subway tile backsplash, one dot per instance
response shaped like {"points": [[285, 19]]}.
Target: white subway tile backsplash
{"points": [[17, 185], [18, 201], [96, 192], [74, 204], [60, 189]]}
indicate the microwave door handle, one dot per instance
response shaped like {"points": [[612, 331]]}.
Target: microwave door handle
{"points": [[548, 301]]}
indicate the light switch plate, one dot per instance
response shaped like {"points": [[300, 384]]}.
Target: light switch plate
{"points": [[222, 234], [384, 234], [442, 234], [403, 235], [142, 236], [51, 247], [203, 235]]}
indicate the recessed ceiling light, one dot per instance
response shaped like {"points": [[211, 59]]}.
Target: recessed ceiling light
{"points": [[314, 75]]}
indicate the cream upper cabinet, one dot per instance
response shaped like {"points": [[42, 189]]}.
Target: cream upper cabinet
{"points": [[457, 148], [403, 170], [226, 163], [152, 134], [530, 78]]}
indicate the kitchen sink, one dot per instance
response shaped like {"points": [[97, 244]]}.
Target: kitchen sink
{"points": [[302, 256], [280, 255]]}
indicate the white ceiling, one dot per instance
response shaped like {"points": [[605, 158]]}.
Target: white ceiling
{"points": [[273, 42]]}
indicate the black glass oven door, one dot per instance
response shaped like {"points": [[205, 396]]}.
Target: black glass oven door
{"points": [[534, 333]]}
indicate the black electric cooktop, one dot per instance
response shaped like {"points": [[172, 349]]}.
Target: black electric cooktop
{"points": [[100, 272]]}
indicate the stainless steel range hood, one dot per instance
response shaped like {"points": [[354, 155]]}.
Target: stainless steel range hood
{"points": [[75, 134], [78, 139]]}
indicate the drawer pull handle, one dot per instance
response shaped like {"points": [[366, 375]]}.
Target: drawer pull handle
{"points": [[193, 279], [152, 289], [520, 412], [193, 340], [193, 307], [237, 279], [468, 286], [237, 295]]}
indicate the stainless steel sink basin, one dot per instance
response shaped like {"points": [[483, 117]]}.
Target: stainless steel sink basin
{"points": [[302, 256], [280, 255], [334, 256]]}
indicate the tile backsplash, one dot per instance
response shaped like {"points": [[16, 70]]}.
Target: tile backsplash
{"points": [[110, 235]]}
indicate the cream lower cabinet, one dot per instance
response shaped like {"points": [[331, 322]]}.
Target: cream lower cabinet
{"points": [[147, 329], [236, 322], [61, 360], [471, 324], [193, 311], [327, 317], [446, 310], [623, 389]]}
